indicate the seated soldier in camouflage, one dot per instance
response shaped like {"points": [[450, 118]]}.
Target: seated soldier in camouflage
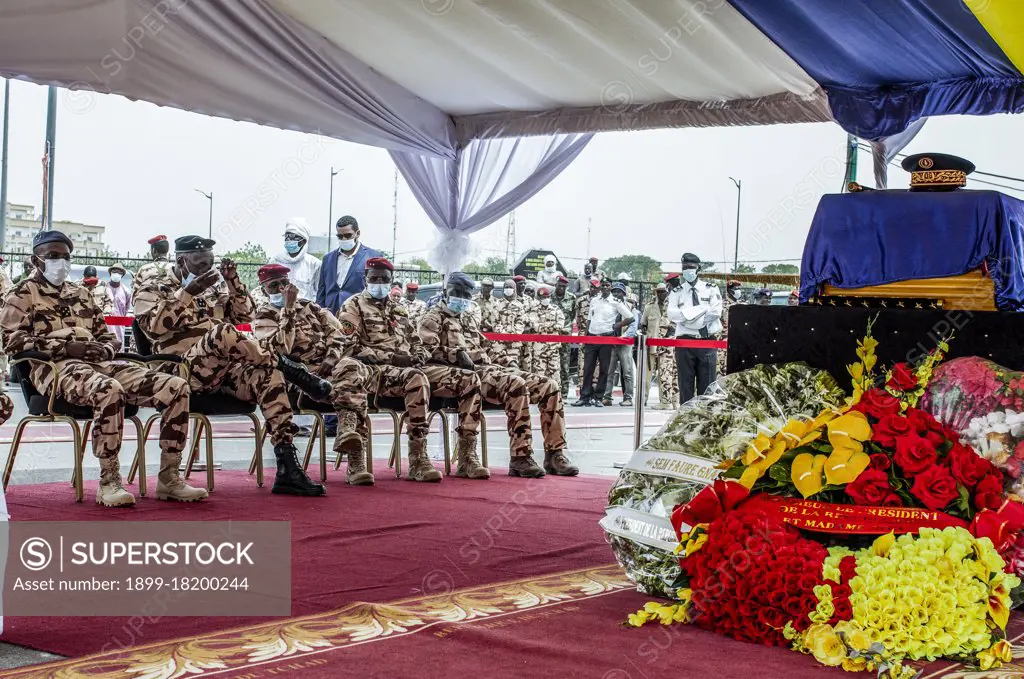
{"points": [[182, 313], [380, 335], [452, 337], [310, 334], [47, 313]]}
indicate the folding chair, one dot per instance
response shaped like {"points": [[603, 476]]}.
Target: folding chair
{"points": [[202, 406], [50, 408], [437, 407]]}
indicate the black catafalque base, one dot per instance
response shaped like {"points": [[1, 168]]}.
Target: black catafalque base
{"points": [[826, 337]]}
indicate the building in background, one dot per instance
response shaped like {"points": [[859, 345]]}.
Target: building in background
{"points": [[23, 224]]}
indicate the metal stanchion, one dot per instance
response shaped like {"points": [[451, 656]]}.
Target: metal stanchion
{"points": [[638, 391]]}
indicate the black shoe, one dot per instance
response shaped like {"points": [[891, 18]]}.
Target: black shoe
{"points": [[291, 479], [582, 402], [597, 404], [295, 373]]}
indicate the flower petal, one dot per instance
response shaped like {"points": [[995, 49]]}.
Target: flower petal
{"points": [[807, 473], [844, 465]]}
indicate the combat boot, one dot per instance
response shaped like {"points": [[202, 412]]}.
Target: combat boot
{"points": [[525, 467], [291, 479], [295, 373], [558, 464], [420, 468], [111, 492], [469, 464], [170, 485]]}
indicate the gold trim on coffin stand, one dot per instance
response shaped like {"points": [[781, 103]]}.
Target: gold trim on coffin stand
{"points": [[972, 291], [305, 639]]}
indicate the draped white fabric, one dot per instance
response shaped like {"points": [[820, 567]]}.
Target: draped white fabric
{"points": [[885, 150], [488, 179]]}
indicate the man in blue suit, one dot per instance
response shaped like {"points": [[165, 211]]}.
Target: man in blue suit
{"points": [[341, 274]]}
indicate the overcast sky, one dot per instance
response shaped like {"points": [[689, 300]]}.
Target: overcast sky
{"points": [[133, 167]]}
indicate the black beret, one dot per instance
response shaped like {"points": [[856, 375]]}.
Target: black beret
{"points": [[52, 236], [937, 171], [460, 281], [193, 244]]}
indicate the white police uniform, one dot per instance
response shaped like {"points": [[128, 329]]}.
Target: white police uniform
{"points": [[696, 309]]}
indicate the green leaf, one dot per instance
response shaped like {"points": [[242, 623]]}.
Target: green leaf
{"points": [[783, 473], [963, 502]]}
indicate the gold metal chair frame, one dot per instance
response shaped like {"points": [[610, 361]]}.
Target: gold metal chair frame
{"points": [[446, 437], [80, 434]]}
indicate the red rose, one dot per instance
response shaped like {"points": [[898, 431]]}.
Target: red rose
{"points": [[951, 434], [902, 379], [889, 428], [989, 493], [870, 488], [848, 567], [966, 465], [878, 403], [880, 461], [934, 437], [892, 500], [935, 487], [914, 454], [843, 609], [922, 421]]}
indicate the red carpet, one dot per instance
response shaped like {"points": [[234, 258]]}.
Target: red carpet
{"points": [[396, 540]]}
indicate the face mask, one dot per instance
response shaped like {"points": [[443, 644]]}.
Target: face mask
{"points": [[690, 275], [188, 278], [292, 247], [277, 300], [510, 292], [550, 268], [57, 271], [378, 290], [458, 305], [347, 244], [115, 278], [545, 301], [90, 282]]}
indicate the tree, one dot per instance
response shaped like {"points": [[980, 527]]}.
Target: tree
{"points": [[415, 263], [781, 269], [250, 252], [744, 268], [492, 265], [639, 267]]}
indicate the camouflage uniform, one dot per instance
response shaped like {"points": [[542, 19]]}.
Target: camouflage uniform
{"points": [[511, 320], [310, 334], [568, 305], [375, 332], [723, 354], [5, 287], [40, 317], [415, 308], [582, 323], [147, 272], [529, 306], [202, 331], [101, 298], [547, 320], [668, 372], [445, 333]]}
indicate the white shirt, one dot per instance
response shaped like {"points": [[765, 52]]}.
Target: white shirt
{"points": [[304, 271], [604, 313], [345, 263], [548, 278], [707, 314]]}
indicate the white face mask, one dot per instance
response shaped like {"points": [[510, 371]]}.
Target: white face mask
{"points": [[550, 268], [545, 301], [347, 244], [115, 278], [689, 275], [277, 299], [57, 271]]}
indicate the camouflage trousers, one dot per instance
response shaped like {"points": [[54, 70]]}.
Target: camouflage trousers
{"points": [[564, 356], [668, 377], [225, 360], [463, 385], [6, 407], [107, 387], [525, 356], [503, 353], [406, 383], [546, 360], [349, 381], [515, 391]]}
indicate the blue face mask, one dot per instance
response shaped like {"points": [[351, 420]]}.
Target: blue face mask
{"points": [[189, 277], [458, 305], [292, 247], [277, 300], [378, 290], [689, 275]]}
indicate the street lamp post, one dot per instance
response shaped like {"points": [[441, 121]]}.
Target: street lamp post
{"points": [[330, 208], [209, 197], [739, 197]]}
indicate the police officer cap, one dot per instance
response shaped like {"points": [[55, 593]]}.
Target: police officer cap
{"points": [[459, 281], [52, 236], [763, 293], [690, 258], [619, 286], [193, 244], [937, 171]]}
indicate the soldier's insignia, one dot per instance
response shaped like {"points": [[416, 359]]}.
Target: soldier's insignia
{"points": [[926, 163], [63, 310], [347, 328]]}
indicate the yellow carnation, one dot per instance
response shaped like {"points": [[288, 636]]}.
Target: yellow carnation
{"points": [[826, 646]]}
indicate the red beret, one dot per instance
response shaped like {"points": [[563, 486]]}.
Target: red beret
{"points": [[269, 272], [594, 283], [593, 259], [412, 286], [379, 263], [671, 277], [563, 279], [156, 239], [519, 278]]}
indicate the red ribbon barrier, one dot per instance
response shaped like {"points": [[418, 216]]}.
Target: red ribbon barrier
{"points": [[559, 339], [688, 343], [126, 321]]}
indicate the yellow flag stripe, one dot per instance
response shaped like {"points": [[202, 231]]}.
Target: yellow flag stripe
{"points": [[1004, 21]]}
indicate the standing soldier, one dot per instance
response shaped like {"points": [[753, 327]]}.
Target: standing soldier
{"points": [[301, 330], [527, 306], [158, 249], [650, 325], [565, 301], [97, 289], [511, 321], [696, 309], [548, 319], [412, 304], [452, 337], [484, 305], [379, 334], [48, 314], [180, 312]]}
